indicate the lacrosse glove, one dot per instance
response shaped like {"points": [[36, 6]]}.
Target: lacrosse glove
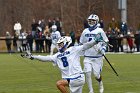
{"points": [[98, 38], [27, 55]]}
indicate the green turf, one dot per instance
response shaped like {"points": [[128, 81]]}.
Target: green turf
{"points": [[18, 75]]}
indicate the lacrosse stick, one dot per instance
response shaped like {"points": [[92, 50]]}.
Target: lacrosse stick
{"points": [[99, 37], [108, 44], [110, 65], [27, 54]]}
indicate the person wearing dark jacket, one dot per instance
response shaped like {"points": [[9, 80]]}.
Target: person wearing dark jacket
{"points": [[8, 42], [137, 40], [15, 38], [30, 41]]}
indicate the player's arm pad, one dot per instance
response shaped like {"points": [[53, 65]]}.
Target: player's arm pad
{"points": [[89, 44], [102, 48], [42, 58]]}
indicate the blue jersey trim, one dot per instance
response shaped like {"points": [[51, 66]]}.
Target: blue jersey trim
{"points": [[94, 56], [72, 78]]}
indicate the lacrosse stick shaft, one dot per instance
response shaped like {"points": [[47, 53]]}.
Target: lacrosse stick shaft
{"points": [[110, 65], [108, 44]]}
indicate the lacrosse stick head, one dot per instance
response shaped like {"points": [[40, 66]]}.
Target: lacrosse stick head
{"points": [[27, 54]]}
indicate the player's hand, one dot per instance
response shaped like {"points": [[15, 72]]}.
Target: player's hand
{"points": [[102, 51], [98, 38], [27, 55]]}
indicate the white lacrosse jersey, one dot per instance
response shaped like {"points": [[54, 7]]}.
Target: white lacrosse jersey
{"points": [[68, 61], [55, 35], [93, 52]]}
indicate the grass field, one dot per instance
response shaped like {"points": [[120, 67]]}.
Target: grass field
{"points": [[18, 75]]}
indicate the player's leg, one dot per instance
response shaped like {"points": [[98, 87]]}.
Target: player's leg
{"points": [[88, 71], [76, 85], [61, 85], [101, 87], [52, 49], [97, 68]]}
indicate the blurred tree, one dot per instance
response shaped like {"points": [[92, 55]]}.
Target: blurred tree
{"points": [[72, 12]]}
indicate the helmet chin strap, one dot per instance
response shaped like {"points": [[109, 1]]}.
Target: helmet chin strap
{"points": [[92, 27]]}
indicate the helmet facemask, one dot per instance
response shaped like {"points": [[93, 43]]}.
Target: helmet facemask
{"points": [[92, 22]]}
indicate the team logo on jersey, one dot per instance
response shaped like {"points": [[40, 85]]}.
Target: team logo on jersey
{"points": [[63, 54], [90, 35]]}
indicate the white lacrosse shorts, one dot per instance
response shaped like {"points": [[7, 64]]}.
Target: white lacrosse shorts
{"points": [[76, 85], [94, 66]]}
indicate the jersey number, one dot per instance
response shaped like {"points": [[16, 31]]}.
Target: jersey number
{"points": [[89, 39], [65, 62], [54, 37]]}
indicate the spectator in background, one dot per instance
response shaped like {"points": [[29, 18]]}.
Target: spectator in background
{"points": [[123, 28], [108, 33], [40, 38], [139, 27], [17, 27], [53, 21], [112, 36], [78, 34], [15, 38], [30, 41], [119, 41], [34, 26], [50, 23], [72, 35], [8, 42], [37, 41], [48, 39], [101, 24], [113, 24], [24, 41], [58, 24], [41, 42], [86, 24], [39, 29], [137, 40], [19, 43], [130, 40], [42, 25]]}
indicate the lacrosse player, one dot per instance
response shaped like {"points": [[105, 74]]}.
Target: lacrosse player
{"points": [[93, 60], [68, 61], [55, 35]]}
